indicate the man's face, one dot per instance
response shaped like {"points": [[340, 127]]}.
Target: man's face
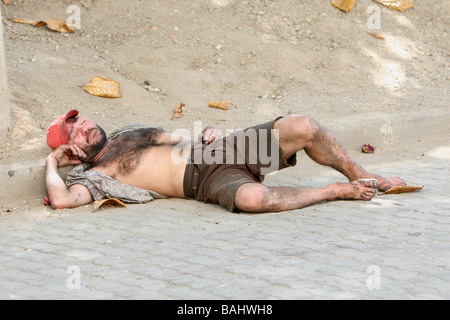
{"points": [[87, 135]]}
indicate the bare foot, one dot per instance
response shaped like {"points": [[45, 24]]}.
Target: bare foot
{"points": [[387, 183], [363, 189]]}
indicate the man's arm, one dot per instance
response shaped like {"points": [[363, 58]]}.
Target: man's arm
{"points": [[59, 194]]}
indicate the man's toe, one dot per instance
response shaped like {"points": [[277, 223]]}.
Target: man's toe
{"points": [[373, 183]]}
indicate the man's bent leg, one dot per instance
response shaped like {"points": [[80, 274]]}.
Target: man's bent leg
{"points": [[257, 198], [302, 133]]}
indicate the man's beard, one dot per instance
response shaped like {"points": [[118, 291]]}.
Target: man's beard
{"points": [[93, 149]]}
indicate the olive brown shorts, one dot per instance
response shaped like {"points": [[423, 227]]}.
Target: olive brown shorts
{"points": [[214, 172]]}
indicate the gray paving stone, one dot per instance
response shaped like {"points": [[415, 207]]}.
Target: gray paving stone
{"points": [[320, 252]]}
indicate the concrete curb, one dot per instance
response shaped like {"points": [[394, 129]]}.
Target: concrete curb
{"points": [[24, 181], [379, 128]]}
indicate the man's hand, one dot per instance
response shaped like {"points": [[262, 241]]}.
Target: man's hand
{"points": [[210, 134], [66, 155]]}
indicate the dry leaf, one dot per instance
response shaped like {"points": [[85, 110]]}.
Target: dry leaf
{"points": [[7, 2], [400, 5], [53, 24], [224, 105], [102, 87], [47, 201], [34, 23], [402, 189], [111, 202], [367, 148], [59, 26], [178, 111], [376, 35], [344, 5]]}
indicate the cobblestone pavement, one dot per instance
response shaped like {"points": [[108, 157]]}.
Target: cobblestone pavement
{"points": [[394, 247]]}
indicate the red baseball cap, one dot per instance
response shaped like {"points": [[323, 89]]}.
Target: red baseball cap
{"points": [[57, 133]]}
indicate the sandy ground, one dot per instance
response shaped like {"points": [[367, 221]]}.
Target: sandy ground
{"points": [[271, 57]]}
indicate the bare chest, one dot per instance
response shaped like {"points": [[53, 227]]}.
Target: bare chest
{"points": [[147, 158]]}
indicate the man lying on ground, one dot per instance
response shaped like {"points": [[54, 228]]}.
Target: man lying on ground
{"points": [[137, 164]]}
